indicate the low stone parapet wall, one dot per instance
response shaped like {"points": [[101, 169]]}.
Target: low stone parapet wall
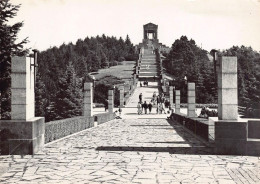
{"points": [[62, 128], [199, 126], [104, 117], [254, 129]]}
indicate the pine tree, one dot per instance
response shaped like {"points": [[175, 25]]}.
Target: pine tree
{"points": [[8, 47], [68, 99]]}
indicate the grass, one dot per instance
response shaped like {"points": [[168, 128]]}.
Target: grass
{"points": [[123, 71]]}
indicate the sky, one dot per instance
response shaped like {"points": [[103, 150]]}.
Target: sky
{"points": [[213, 24]]}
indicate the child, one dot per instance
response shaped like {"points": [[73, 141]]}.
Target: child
{"points": [[119, 110], [139, 108]]}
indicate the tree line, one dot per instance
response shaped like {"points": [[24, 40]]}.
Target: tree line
{"points": [[62, 71], [187, 59]]}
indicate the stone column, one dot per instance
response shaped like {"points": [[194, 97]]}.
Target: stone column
{"points": [[230, 132], [88, 99], [171, 95], [110, 101], [122, 98], [227, 89], [134, 79], [22, 89], [191, 100], [26, 131], [177, 101]]}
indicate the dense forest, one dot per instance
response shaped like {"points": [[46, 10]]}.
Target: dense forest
{"points": [[62, 70], [187, 59]]}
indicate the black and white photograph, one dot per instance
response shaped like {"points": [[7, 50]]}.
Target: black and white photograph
{"points": [[130, 91]]}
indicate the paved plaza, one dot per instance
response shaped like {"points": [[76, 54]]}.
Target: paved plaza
{"points": [[136, 149], [130, 151]]}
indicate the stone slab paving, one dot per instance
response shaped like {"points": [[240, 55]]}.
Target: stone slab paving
{"points": [[130, 151]]}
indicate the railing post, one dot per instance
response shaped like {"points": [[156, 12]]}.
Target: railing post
{"points": [[88, 99], [191, 100], [177, 101]]}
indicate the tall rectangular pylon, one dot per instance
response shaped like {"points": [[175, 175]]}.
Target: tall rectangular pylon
{"points": [[177, 101], [191, 100], [227, 89], [110, 101], [26, 132], [22, 88], [88, 99], [171, 95], [122, 99]]}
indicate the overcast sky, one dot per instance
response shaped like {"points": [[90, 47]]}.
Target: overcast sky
{"points": [[212, 24]]}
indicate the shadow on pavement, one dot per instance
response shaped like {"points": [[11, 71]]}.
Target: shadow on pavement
{"points": [[194, 146], [195, 150]]}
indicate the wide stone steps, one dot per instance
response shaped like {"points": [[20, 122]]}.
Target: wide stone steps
{"points": [[143, 67], [147, 73], [148, 63], [148, 59], [149, 70]]}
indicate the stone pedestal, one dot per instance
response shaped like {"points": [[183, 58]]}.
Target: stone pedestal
{"points": [[111, 101], [191, 100], [88, 99], [122, 99], [231, 137], [25, 137], [227, 89], [25, 132], [177, 101]]}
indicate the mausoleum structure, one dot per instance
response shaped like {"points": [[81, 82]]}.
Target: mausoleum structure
{"points": [[150, 39]]}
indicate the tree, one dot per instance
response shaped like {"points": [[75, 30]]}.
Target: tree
{"points": [[69, 97], [187, 59], [8, 47]]}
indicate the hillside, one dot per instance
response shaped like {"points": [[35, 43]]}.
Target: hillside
{"points": [[123, 71]]}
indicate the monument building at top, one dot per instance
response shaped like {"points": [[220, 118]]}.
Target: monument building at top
{"points": [[150, 38]]}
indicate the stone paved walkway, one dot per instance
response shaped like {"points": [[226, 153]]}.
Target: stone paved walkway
{"points": [[130, 151]]}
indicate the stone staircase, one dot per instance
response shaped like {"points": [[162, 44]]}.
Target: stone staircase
{"points": [[148, 66]]}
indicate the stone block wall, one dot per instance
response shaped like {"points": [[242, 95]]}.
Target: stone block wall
{"points": [[104, 117], [61, 128]]}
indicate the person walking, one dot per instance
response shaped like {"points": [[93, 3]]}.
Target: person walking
{"points": [[145, 106], [163, 104], [158, 99], [154, 97], [139, 108], [150, 106], [140, 97]]}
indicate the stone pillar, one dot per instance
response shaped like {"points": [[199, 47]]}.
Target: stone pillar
{"points": [[88, 99], [191, 100], [171, 94], [177, 101], [26, 132], [227, 89], [134, 79], [22, 89], [230, 132], [122, 98], [110, 101]]}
